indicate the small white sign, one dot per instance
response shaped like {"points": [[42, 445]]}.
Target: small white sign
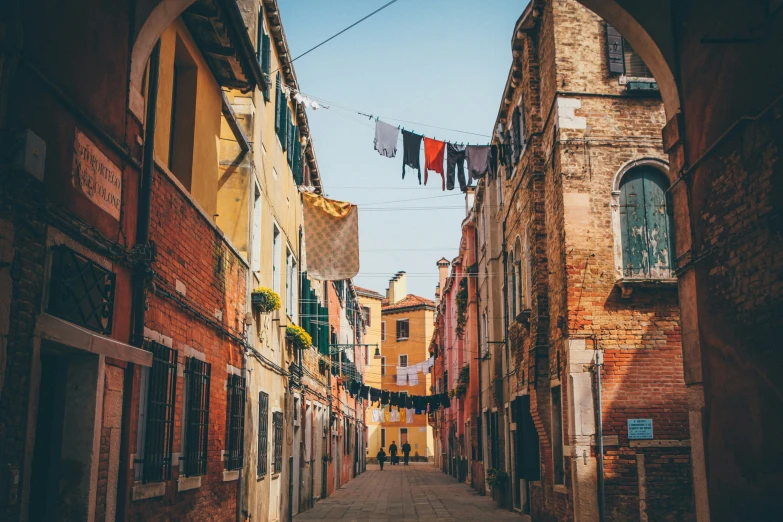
{"points": [[96, 176], [640, 429]]}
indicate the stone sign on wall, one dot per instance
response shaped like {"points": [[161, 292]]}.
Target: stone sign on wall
{"points": [[96, 176]]}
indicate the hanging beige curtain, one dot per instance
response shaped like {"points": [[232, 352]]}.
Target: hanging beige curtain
{"points": [[331, 238]]}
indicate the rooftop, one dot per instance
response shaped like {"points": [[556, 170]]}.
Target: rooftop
{"points": [[366, 292], [410, 301]]}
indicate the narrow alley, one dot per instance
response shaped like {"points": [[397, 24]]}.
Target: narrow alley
{"points": [[415, 492]]}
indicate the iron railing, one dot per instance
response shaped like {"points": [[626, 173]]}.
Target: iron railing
{"points": [[159, 429], [235, 422], [263, 433], [277, 424], [197, 374]]}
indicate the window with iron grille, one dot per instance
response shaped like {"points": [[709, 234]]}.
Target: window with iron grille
{"points": [[277, 425], [235, 422], [263, 433], [196, 416], [159, 423]]}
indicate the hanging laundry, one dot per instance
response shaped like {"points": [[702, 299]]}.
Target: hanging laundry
{"points": [[384, 397], [444, 400], [402, 376], [413, 376], [332, 238], [376, 415], [434, 151], [493, 162], [386, 414], [409, 415], [408, 401], [386, 137], [363, 391], [375, 394], [455, 159], [428, 364], [411, 145], [395, 415], [478, 161]]}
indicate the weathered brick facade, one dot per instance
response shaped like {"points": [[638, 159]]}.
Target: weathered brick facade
{"points": [[566, 298], [205, 315]]}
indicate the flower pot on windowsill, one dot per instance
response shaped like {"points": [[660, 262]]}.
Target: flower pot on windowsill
{"points": [[298, 337], [265, 300]]}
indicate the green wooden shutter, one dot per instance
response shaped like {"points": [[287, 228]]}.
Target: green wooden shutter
{"points": [[658, 222], [266, 63], [646, 225], [278, 104], [304, 315], [297, 162], [632, 225]]}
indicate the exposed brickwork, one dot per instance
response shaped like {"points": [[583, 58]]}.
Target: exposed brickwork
{"points": [[559, 196], [191, 251]]}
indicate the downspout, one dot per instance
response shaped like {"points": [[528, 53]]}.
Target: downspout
{"points": [[506, 336], [599, 437], [139, 300], [241, 477]]}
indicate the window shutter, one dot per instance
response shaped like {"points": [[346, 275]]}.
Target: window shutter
{"points": [[266, 53], [283, 135], [278, 104], [516, 138], [522, 129], [614, 47], [398, 330], [297, 163]]}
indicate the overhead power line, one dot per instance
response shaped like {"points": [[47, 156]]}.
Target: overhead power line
{"points": [[341, 32]]}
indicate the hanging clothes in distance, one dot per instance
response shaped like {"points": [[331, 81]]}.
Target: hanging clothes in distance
{"points": [[409, 416], [376, 415], [413, 376], [411, 145], [386, 414], [395, 415], [427, 365], [477, 157], [434, 151], [402, 376], [455, 159], [386, 137]]}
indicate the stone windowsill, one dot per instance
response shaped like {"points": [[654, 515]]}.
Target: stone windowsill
{"points": [[145, 491], [628, 284], [188, 483], [259, 478], [275, 475], [560, 488], [228, 476]]}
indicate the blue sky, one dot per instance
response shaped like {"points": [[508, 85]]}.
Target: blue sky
{"points": [[438, 62]]}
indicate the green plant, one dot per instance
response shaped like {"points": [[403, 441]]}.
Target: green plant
{"points": [[462, 308], [496, 477], [298, 337], [265, 300]]}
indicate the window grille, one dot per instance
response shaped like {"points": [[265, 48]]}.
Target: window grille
{"points": [[277, 425], [197, 378], [235, 422], [159, 429], [263, 433]]}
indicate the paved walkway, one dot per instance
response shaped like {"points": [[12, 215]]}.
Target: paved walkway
{"points": [[406, 493]]}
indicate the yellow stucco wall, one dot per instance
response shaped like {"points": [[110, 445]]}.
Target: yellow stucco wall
{"points": [[416, 348], [208, 116]]}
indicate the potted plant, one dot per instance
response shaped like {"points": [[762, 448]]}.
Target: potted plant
{"points": [[298, 337], [265, 300], [496, 477]]}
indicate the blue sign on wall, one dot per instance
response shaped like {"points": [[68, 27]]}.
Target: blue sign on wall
{"points": [[640, 429]]}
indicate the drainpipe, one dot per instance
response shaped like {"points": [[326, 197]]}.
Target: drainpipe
{"points": [[138, 305], [242, 467], [599, 436]]}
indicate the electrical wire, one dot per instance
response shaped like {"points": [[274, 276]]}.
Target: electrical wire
{"points": [[339, 33]]}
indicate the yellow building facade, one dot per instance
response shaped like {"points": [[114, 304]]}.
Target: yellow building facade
{"points": [[405, 331]]}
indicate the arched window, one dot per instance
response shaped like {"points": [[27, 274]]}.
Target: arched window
{"points": [[646, 227]]}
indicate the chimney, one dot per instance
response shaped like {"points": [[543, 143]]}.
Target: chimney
{"points": [[443, 273], [397, 290]]}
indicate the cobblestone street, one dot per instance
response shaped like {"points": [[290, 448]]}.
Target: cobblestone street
{"points": [[415, 492]]}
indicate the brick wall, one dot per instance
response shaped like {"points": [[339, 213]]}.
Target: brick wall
{"points": [[192, 252], [559, 195]]}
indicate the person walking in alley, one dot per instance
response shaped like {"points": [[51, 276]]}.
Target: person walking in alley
{"points": [[406, 451], [393, 453], [381, 457]]}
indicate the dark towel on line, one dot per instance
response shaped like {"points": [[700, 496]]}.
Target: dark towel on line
{"points": [[478, 161], [411, 152]]}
